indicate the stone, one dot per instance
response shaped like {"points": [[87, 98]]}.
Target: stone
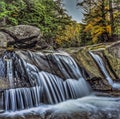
{"points": [[22, 36], [4, 39], [110, 54], [24, 31], [114, 49]]}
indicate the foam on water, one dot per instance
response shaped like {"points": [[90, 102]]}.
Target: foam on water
{"points": [[88, 104]]}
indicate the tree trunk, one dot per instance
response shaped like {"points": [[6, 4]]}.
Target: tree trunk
{"points": [[105, 34], [111, 18]]}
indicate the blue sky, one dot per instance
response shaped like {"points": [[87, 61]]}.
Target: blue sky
{"points": [[73, 10]]}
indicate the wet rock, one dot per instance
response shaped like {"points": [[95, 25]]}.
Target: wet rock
{"points": [[3, 84], [84, 59], [99, 84], [110, 54]]}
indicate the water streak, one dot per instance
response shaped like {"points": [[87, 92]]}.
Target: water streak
{"points": [[101, 65], [10, 72], [22, 98]]}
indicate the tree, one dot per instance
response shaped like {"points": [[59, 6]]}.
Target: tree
{"points": [[116, 17], [111, 17], [48, 15], [6, 14], [69, 36], [99, 19]]}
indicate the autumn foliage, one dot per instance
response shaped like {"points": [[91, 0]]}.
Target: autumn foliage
{"points": [[100, 24], [99, 20]]}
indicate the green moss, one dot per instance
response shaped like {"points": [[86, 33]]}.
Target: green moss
{"points": [[114, 62]]}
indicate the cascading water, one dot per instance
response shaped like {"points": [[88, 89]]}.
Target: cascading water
{"points": [[45, 83], [10, 71], [101, 65], [22, 98], [6, 68], [40, 80]]}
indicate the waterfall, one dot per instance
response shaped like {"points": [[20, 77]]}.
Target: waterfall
{"points": [[6, 68], [101, 65], [10, 71], [46, 83], [22, 98]]}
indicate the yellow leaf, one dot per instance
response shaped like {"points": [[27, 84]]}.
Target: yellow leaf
{"points": [[108, 28]]}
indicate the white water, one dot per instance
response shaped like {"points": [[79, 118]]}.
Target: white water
{"points": [[47, 87], [66, 64], [22, 98], [94, 107], [101, 65], [10, 72]]}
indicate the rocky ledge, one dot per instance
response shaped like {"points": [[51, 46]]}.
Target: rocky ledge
{"points": [[22, 36], [110, 54]]}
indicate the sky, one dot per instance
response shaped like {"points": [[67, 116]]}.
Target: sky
{"points": [[72, 10]]}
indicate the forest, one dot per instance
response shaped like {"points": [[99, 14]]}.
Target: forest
{"points": [[100, 23]]}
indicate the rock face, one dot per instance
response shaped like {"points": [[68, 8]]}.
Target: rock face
{"points": [[110, 54], [114, 49], [113, 55], [22, 36], [24, 31]]}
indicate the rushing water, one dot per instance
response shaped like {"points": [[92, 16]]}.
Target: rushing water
{"points": [[45, 86], [10, 72], [22, 98], [101, 65], [88, 107], [52, 84]]}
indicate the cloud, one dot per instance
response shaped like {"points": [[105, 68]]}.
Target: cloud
{"points": [[73, 10]]}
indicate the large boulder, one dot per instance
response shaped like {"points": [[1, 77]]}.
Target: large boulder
{"points": [[22, 36], [24, 31]]}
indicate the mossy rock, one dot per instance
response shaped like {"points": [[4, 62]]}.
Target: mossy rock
{"points": [[110, 55]]}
